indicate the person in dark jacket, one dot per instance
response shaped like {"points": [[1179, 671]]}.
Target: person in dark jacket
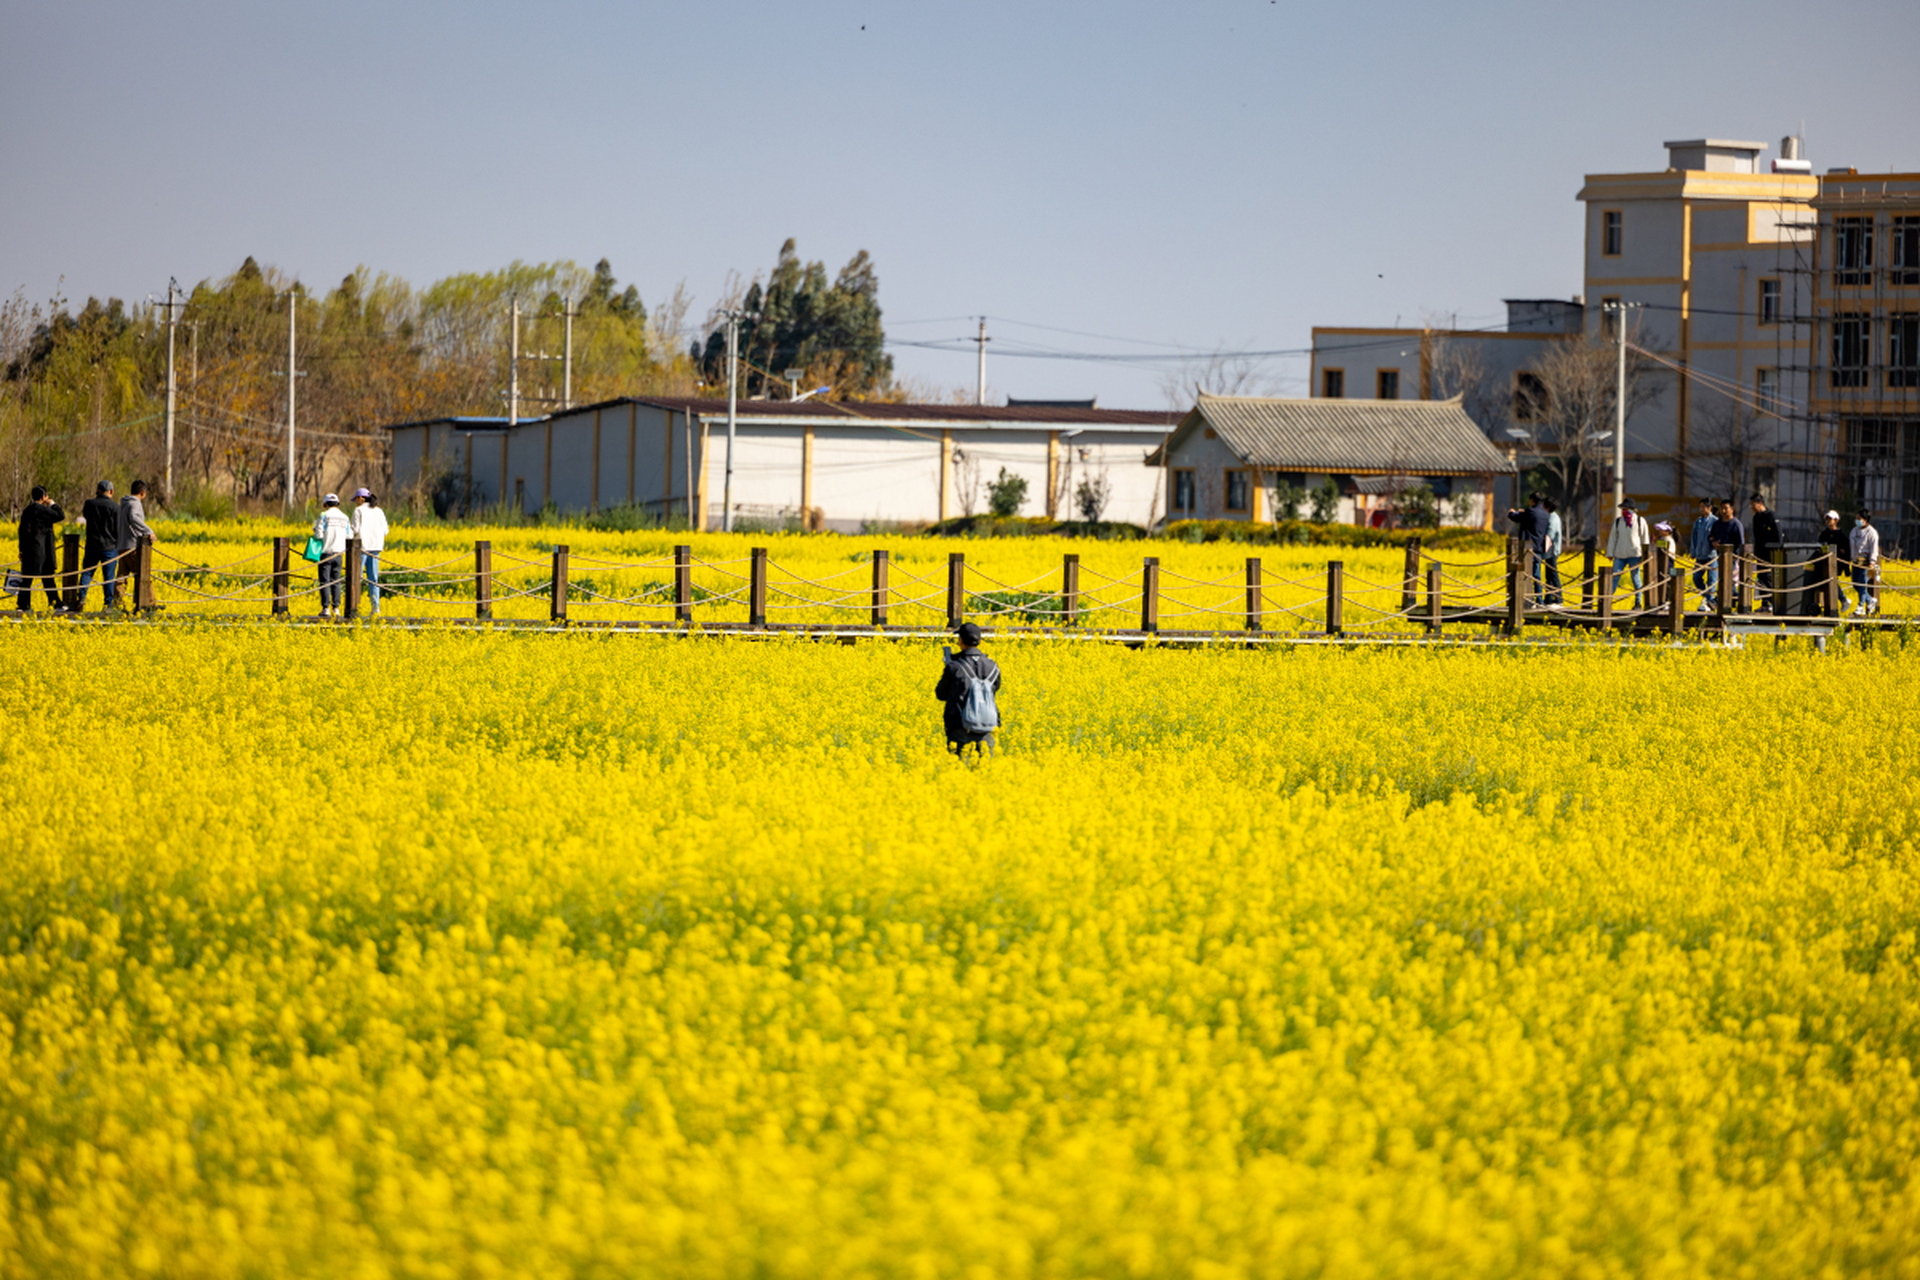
{"points": [[1832, 535], [37, 524], [1765, 535], [952, 690], [102, 516]]}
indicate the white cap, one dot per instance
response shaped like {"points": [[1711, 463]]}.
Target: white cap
{"points": [[331, 500], [1833, 515]]}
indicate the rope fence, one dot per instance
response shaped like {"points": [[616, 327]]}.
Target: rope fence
{"points": [[1661, 593]]}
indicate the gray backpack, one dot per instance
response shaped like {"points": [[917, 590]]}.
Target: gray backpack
{"points": [[978, 711]]}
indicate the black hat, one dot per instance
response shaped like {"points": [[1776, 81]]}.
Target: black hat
{"points": [[1627, 504], [968, 632]]}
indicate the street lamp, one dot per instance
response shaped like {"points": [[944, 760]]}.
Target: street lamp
{"points": [[793, 377]]}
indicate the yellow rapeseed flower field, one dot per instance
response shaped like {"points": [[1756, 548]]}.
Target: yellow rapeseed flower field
{"points": [[373, 953]]}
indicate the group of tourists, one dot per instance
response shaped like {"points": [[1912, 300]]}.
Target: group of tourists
{"points": [[333, 531], [111, 526], [1631, 539]]}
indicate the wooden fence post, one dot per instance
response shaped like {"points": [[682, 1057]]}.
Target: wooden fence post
{"points": [[683, 584], [757, 589], [282, 561], [143, 575], [1830, 586], [1588, 548], [1777, 601], [557, 604], [1676, 588], [483, 579], [353, 567], [1656, 571], [1746, 584], [1336, 573], [879, 588], [1150, 594], [956, 588], [1433, 598], [1605, 577], [70, 570], [1723, 589], [1070, 589], [1410, 578], [1255, 605], [1519, 578]]}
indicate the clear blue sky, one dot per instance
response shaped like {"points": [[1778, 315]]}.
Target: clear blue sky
{"points": [[1199, 174]]}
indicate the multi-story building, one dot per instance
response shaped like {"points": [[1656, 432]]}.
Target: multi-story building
{"points": [[1694, 252], [1859, 276]]}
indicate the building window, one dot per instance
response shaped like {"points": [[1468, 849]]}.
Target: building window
{"points": [[1237, 489], [1769, 302], [1333, 383], [1612, 233], [1903, 351], [1852, 249], [1766, 390], [1530, 401], [1905, 258], [1386, 384], [1183, 489], [1850, 347]]}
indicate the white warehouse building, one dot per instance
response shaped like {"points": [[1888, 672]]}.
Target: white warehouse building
{"points": [[829, 465]]}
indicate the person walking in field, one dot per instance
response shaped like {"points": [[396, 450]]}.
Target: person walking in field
{"points": [[1627, 547], [1864, 552], [370, 526], [1556, 547], [37, 523], [1728, 534], [968, 684], [1832, 535], [133, 524], [1765, 531], [101, 514], [1706, 575], [333, 529]]}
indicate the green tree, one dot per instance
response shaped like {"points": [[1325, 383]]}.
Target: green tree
{"points": [[1006, 494], [800, 321]]}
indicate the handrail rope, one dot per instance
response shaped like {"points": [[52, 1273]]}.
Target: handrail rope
{"points": [[210, 568], [618, 564], [773, 567], [855, 593]]}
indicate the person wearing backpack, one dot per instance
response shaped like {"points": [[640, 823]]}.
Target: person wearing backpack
{"points": [[968, 683]]}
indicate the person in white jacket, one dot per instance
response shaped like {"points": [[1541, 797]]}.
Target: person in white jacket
{"points": [[370, 526], [1627, 548], [334, 531], [1863, 546]]}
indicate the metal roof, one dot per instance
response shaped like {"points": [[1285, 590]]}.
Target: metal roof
{"points": [[854, 411], [1353, 437]]}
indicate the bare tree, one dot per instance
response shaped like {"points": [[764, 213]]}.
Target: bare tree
{"points": [[966, 478], [1221, 373], [1567, 408], [1728, 435], [1458, 369]]}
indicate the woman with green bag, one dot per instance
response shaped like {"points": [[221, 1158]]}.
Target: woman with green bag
{"points": [[333, 530]]}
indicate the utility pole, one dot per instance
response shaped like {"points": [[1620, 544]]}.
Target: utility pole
{"points": [[733, 319], [293, 301], [513, 366], [733, 392], [1619, 312], [980, 390], [172, 312], [566, 364]]}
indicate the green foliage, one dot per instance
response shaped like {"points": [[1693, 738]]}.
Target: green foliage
{"points": [[1006, 493], [1091, 497], [1044, 607], [1287, 500], [1296, 533], [1325, 501], [832, 331], [632, 517], [1418, 508]]}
